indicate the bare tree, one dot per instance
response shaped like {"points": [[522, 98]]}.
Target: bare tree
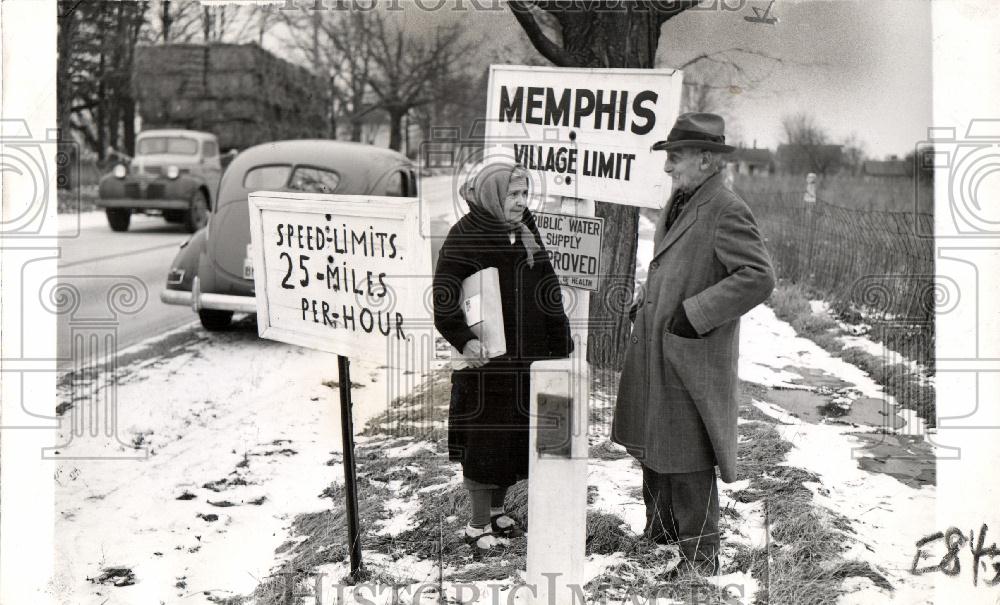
{"points": [[412, 71], [808, 145], [267, 16], [214, 23], [713, 79], [854, 153], [801, 128], [337, 47], [173, 22], [603, 34], [97, 42]]}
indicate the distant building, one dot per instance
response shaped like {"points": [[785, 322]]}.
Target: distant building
{"points": [[886, 169], [803, 159], [752, 162]]}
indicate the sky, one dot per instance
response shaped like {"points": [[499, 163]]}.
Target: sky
{"points": [[861, 68], [858, 67]]}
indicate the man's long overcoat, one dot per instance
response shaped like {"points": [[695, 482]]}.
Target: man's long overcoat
{"points": [[677, 399]]}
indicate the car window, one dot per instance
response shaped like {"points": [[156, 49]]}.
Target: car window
{"points": [[210, 149], [314, 180], [266, 177], [395, 185], [155, 145]]}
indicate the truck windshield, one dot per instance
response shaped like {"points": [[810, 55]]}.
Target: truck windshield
{"points": [[156, 145]]}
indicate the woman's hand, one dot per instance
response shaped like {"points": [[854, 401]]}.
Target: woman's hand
{"points": [[474, 353]]}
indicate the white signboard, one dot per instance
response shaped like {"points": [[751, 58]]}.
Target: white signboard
{"points": [[585, 133], [340, 273], [574, 246]]}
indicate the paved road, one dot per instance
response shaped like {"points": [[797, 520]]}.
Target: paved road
{"points": [[104, 269], [116, 280]]}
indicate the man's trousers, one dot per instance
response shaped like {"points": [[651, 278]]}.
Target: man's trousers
{"points": [[683, 509]]}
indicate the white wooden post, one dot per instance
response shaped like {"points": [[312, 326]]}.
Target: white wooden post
{"points": [[557, 484]]}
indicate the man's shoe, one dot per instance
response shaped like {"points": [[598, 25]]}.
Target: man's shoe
{"points": [[701, 567]]}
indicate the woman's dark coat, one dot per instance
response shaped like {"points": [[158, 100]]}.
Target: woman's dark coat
{"points": [[488, 415]]}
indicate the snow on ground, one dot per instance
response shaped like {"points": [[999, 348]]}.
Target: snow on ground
{"points": [[769, 342], [72, 223], [404, 515], [250, 417], [855, 338], [883, 510], [772, 354], [615, 480]]}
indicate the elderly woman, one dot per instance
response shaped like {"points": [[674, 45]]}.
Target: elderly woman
{"points": [[488, 415]]}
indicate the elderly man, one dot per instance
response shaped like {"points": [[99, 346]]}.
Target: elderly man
{"points": [[677, 399]]}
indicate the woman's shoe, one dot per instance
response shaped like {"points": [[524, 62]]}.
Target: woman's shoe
{"points": [[482, 541], [505, 526]]}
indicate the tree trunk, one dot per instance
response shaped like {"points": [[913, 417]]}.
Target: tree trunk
{"points": [[331, 107], [166, 19], [594, 38], [356, 130], [396, 127], [100, 121]]}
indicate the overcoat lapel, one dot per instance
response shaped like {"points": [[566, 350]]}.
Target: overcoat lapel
{"points": [[687, 217]]}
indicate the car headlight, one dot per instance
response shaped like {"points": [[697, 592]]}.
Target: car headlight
{"points": [[173, 172], [120, 171]]}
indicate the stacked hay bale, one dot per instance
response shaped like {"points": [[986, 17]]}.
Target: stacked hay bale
{"points": [[239, 92]]}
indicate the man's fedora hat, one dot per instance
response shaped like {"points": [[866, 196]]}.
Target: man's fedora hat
{"points": [[693, 129]]}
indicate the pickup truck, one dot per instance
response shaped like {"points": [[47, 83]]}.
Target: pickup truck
{"points": [[175, 173]]}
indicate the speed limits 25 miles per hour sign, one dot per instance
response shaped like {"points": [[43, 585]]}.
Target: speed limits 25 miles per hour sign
{"points": [[346, 274]]}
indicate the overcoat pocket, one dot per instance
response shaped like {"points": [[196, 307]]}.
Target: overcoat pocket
{"points": [[690, 360]]}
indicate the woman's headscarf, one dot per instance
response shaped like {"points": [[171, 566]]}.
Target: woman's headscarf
{"points": [[486, 190]]}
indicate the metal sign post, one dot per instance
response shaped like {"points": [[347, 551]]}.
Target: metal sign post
{"points": [[350, 473], [344, 274]]}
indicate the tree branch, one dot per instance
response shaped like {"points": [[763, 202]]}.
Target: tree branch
{"points": [[548, 49]]}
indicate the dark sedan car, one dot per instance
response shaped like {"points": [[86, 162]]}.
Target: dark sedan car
{"points": [[212, 273]]}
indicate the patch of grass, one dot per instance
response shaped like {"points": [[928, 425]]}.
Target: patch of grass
{"points": [[638, 583], [606, 450], [761, 448], [606, 534], [747, 560], [804, 563], [422, 413], [791, 303], [82, 199]]}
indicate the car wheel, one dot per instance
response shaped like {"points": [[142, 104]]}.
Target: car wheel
{"points": [[197, 215], [119, 218], [214, 320]]}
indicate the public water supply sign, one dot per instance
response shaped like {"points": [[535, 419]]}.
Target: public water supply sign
{"points": [[574, 247], [586, 133]]}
